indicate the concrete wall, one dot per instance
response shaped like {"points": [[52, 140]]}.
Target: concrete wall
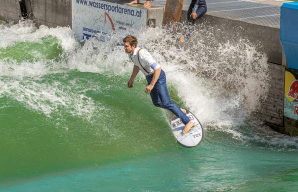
{"points": [[52, 13], [272, 109], [10, 10]]}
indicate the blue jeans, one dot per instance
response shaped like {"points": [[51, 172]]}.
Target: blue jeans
{"points": [[160, 97]]}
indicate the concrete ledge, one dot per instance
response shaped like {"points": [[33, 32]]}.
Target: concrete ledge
{"points": [[155, 16]]}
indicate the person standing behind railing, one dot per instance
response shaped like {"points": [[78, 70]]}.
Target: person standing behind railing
{"points": [[196, 10]]}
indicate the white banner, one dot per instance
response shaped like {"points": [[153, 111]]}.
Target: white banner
{"points": [[90, 17]]}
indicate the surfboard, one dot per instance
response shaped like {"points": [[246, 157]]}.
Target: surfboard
{"points": [[193, 137]]}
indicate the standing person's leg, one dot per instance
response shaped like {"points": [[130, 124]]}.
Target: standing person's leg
{"points": [[187, 31], [188, 13]]}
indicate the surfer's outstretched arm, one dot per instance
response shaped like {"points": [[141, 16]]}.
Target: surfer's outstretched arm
{"points": [[135, 71]]}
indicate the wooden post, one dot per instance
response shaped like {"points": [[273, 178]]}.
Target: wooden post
{"points": [[172, 11]]}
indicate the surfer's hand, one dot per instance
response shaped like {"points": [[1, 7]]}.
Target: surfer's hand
{"points": [[130, 83], [149, 88], [194, 15]]}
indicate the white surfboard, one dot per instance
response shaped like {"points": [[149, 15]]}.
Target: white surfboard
{"points": [[193, 137]]}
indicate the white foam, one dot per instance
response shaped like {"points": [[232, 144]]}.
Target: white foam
{"points": [[213, 81], [49, 98], [27, 31], [25, 69]]}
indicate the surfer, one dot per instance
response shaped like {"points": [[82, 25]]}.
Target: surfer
{"points": [[155, 77]]}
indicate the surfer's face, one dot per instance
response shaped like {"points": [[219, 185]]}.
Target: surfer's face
{"points": [[128, 48]]}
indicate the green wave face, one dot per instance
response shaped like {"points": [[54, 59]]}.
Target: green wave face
{"points": [[76, 119]]}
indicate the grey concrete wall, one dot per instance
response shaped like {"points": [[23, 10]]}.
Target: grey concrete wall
{"points": [[155, 16], [52, 13], [271, 111], [10, 10]]}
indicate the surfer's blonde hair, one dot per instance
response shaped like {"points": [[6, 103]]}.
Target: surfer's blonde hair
{"points": [[132, 40]]}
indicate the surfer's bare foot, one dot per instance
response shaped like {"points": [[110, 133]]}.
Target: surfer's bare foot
{"points": [[187, 127], [133, 2], [147, 4]]}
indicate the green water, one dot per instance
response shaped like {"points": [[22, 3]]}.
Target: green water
{"points": [[40, 51], [65, 140], [69, 128]]}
